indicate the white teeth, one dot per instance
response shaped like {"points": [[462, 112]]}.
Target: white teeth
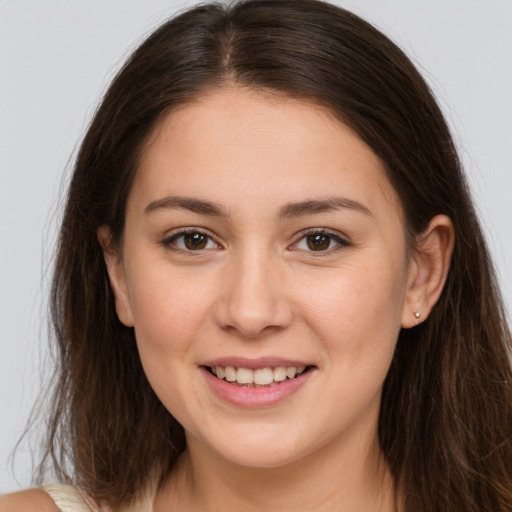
{"points": [[291, 371], [279, 373], [230, 373], [263, 376], [244, 376], [257, 378]]}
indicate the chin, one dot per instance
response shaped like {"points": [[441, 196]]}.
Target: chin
{"points": [[261, 449], [262, 458]]}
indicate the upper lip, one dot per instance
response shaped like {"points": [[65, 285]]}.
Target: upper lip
{"points": [[254, 364]]}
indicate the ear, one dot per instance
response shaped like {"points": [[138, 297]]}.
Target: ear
{"points": [[116, 274], [429, 265]]}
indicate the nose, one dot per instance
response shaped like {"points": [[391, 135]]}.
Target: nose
{"points": [[252, 300]]}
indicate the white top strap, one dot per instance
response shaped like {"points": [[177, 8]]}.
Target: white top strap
{"points": [[70, 499], [67, 498]]}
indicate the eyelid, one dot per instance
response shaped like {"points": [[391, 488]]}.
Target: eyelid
{"points": [[170, 237], [338, 237]]}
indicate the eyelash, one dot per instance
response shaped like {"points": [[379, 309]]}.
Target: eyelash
{"points": [[170, 241], [322, 232]]}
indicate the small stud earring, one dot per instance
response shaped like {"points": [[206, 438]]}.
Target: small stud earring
{"points": [[417, 314]]}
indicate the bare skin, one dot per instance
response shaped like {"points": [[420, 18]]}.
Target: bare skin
{"points": [[308, 485], [24, 501], [256, 287]]}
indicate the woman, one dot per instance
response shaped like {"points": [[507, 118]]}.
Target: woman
{"points": [[271, 289]]}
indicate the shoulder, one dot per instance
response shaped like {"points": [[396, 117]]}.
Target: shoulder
{"points": [[32, 499]]}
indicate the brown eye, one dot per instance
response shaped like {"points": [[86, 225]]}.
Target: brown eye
{"points": [[318, 242], [195, 241], [191, 241]]}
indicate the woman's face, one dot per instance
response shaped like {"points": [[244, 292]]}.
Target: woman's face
{"points": [[262, 236]]}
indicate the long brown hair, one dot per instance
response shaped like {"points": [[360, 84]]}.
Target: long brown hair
{"points": [[445, 424]]}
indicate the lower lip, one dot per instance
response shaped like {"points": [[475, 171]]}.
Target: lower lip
{"points": [[254, 397]]}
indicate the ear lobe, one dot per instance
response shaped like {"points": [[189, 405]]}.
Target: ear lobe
{"points": [[430, 262], [115, 269]]}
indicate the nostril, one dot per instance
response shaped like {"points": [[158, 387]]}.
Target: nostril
{"points": [[252, 311]]}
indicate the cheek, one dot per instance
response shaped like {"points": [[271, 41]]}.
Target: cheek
{"points": [[356, 318], [169, 312], [168, 307], [357, 308]]}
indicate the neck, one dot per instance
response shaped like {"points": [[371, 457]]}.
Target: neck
{"points": [[343, 475]]}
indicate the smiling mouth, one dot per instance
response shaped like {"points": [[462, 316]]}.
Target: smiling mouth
{"points": [[259, 378]]}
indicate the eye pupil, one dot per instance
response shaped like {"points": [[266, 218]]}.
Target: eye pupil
{"points": [[195, 241], [318, 242]]}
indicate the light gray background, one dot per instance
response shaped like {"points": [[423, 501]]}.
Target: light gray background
{"points": [[56, 58]]}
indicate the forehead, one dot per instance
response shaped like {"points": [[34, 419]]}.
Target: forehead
{"points": [[233, 142]]}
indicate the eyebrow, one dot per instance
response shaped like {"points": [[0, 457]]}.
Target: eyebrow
{"points": [[292, 210], [288, 211], [187, 203]]}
